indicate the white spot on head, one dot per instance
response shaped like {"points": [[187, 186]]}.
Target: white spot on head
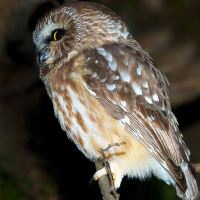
{"points": [[145, 84], [110, 87], [136, 88], [155, 97], [139, 72], [148, 100]]}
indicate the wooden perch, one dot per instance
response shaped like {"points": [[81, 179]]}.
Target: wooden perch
{"points": [[106, 182]]}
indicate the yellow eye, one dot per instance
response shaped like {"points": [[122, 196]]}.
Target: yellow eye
{"points": [[54, 36], [58, 34]]}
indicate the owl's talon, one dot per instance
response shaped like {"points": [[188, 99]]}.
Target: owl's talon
{"points": [[95, 178], [114, 179], [99, 173], [114, 176]]}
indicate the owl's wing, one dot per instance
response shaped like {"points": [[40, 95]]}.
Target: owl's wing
{"points": [[132, 90]]}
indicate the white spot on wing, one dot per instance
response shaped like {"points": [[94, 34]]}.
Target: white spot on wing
{"points": [[149, 118], [137, 88], [123, 103], [142, 115], [125, 61], [92, 93], [113, 65], [96, 61], [125, 75], [108, 56], [139, 72], [110, 87], [89, 90], [117, 78], [94, 75], [101, 51], [145, 84], [125, 119], [155, 97], [163, 108], [148, 100], [103, 80], [88, 59]]}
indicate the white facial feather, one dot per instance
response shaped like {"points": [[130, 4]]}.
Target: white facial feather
{"points": [[46, 31]]}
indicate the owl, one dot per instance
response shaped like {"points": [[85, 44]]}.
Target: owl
{"points": [[106, 89]]}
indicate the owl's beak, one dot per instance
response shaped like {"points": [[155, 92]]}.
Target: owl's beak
{"points": [[43, 56]]}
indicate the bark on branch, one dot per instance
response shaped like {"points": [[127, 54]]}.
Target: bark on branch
{"points": [[106, 182]]}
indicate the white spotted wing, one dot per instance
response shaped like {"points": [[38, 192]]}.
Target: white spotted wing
{"points": [[135, 92]]}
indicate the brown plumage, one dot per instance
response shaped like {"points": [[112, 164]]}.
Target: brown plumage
{"points": [[106, 89]]}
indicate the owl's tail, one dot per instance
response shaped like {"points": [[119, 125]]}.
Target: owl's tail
{"points": [[192, 192]]}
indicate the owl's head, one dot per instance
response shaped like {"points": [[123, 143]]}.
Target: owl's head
{"points": [[73, 27]]}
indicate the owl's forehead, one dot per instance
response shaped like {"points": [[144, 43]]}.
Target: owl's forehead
{"points": [[89, 18]]}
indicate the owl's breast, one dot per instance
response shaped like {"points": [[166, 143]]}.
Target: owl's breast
{"points": [[88, 124], [83, 117]]}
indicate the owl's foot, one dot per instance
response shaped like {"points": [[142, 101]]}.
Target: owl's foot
{"points": [[99, 173], [116, 176]]}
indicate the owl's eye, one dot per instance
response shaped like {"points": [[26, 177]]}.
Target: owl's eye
{"points": [[58, 34]]}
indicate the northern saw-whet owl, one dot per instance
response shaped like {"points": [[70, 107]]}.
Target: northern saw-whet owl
{"points": [[106, 89]]}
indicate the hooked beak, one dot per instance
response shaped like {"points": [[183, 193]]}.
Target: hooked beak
{"points": [[43, 56]]}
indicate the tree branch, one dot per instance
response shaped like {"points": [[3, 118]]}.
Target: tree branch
{"points": [[106, 182]]}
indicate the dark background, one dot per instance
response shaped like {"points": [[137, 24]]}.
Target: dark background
{"points": [[37, 161]]}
